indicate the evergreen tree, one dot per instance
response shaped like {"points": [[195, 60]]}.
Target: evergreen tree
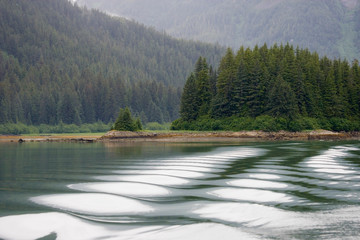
{"points": [[282, 101], [224, 105], [280, 82], [138, 125], [125, 121], [254, 94], [61, 62], [241, 89], [189, 106], [203, 87]]}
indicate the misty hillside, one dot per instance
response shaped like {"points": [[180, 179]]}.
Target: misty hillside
{"points": [[60, 63], [330, 27]]}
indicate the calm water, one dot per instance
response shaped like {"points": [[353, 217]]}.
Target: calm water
{"points": [[283, 190]]}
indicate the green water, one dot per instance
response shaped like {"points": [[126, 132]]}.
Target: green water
{"points": [[266, 190]]}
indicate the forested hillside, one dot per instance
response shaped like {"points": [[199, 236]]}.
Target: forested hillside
{"points": [[329, 27], [60, 63], [272, 89]]}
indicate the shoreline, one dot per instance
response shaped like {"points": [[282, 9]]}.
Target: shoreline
{"points": [[228, 136], [242, 136], [50, 138]]}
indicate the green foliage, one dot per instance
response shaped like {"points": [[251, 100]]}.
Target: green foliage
{"points": [[225, 101], [179, 124], [157, 126], [269, 124], [282, 99], [189, 107], [17, 128], [20, 128], [341, 124], [63, 63], [125, 121], [138, 124], [276, 88], [305, 123], [265, 123], [202, 85], [238, 124], [197, 93]]}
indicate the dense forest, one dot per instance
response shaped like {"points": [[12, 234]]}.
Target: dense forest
{"points": [[64, 64], [330, 27], [272, 89]]}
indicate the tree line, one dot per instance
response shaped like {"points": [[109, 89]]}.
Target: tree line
{"points": [[274, 88], [60, 63], [42, 96]]}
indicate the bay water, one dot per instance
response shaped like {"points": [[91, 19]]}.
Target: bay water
{"points": [[259, 190]]}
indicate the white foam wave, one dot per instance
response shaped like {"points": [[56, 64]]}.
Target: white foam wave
{"points": [[188, 168], [264, 176], [174, 173], [334, 171], [253, 183], [253, 195], [93, 203], [34, 226], [122, 188], [152, 179], [330, 161], [209, 231], [251, 215]]}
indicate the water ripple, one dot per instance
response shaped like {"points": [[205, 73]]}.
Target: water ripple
{"points": [[237, 192]]}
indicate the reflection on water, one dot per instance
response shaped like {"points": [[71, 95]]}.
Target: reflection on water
{"points": [[304, 190]]}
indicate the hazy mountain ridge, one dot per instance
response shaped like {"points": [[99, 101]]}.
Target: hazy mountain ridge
{"points": [[328, 27]]}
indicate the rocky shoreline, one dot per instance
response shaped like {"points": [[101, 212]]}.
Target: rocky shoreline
{"points": [[227, 136], [124, 136]]}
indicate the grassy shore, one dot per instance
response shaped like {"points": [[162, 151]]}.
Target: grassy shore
{"points": [[51, 137]]}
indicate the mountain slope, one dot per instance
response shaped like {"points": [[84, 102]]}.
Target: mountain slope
{"points": [[328, 27], [62, 63]]}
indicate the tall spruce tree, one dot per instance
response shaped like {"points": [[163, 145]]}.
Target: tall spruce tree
{"points": [[189, 105], [203, 87], [224, 105], [282, 101]]}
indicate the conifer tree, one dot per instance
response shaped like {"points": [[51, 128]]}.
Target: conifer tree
{"points": [[252, 83], [189, 105], [223, 102], [203, 88], [282, 100], [125, 121], [138, 125]]}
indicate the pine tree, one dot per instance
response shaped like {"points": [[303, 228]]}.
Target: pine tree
{"points": [[125, 121], [282, 100], [203, 88], [138, 125], [224, 104], [189, 100], [280, 82], [241, 88], [252, 83]]}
